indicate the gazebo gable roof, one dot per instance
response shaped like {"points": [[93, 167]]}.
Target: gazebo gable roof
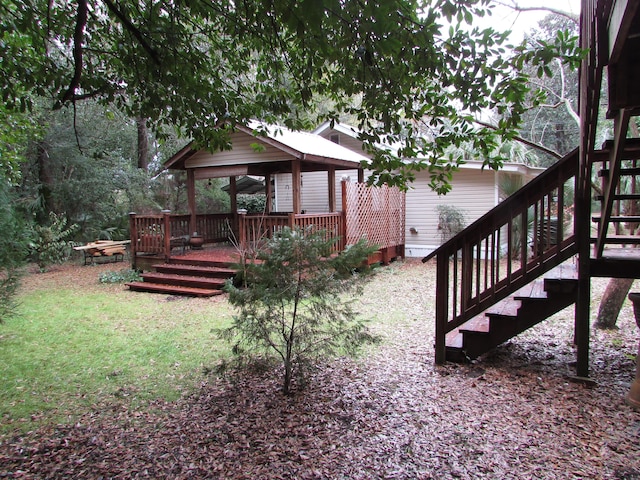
{"points": [[262, 148]]}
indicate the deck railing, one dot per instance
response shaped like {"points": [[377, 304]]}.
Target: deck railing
{"points": [[255, 229], [375, 214], [529, 233], [156, 234]]}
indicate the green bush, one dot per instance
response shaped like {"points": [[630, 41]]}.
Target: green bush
{"points": [[296, 303], [451, 221], [49, 245], [252, 203], [121, 276]]}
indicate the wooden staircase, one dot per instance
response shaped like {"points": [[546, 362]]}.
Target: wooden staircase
{"points": [[616, 252], [493, 279], [181, 276], [505, 272], [529, 306]]}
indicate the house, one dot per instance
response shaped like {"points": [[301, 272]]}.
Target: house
{"points": [[475, 191]]}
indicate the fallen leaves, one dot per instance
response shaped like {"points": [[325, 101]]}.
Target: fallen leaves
{"points": [[392, 415]]}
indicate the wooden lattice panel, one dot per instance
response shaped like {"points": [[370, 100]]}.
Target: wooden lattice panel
{"points": [[374, 213]]}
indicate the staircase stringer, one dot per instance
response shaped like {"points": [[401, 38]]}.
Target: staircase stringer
{"points": [[523, 237]]}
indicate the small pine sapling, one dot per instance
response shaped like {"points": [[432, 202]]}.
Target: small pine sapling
{"points": [[297, 303]]}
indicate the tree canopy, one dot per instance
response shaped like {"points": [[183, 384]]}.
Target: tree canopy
{"points": [[412, 72]]}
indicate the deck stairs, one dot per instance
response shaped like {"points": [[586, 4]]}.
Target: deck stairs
{"points": [[527, 307], [506, 272], [515, 266], [188, 277], [615, 252]]}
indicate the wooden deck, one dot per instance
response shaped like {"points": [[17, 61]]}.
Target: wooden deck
{"points": [[210, 254]]}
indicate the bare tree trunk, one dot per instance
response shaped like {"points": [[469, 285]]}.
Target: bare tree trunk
{"points": [[143, 143], [611, 303], [46, 181]]}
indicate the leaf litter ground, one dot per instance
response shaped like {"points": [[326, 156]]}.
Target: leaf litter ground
{"points": [[390, 414]]}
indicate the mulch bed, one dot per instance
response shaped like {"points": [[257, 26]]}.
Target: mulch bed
{"points": [[392, 414]]}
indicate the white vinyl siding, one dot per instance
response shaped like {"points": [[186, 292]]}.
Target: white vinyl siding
{"points": [[345, 141], [473, 191], [315, 191], [284, 193], [242, 153]]}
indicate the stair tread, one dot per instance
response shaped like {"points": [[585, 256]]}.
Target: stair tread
{"points": [[621, 253], [534, 289], [620, 239], [478, 324], [621, 196], [195, 268], [619, 218], [453, 339], [177, 276], [508, 307], [623, 171], [173, 289], [563, 271]]}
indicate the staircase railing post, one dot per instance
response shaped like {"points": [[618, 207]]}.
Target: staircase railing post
{"points": [[133, 235], [242, 230], [633, 397], [166, 219], [442, 300]]}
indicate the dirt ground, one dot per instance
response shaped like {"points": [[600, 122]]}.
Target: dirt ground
{"points": [[514, 413]]}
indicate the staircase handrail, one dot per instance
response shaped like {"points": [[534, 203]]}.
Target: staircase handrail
{"points": [[476, 269]]}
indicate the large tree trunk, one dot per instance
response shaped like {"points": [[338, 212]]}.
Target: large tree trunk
{"points": [[612, 300], [143, 143]]}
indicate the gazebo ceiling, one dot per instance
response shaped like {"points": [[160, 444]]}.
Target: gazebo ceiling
{"points": [[273, 151]]}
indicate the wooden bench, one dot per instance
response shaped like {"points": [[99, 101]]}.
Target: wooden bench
{"points": [[103, 249]]}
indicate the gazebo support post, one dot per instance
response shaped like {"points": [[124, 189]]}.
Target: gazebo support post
{"points": [[331, 179], [297, 182], [191, 199], [267, 192], [233, 197], [233, 194]]}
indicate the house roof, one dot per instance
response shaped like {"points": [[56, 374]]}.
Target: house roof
{"points": [[508, 167], [278, 146], [247, 185], [305, 143]]}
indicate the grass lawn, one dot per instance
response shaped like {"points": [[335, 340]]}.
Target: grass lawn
{"points": [[77, 342]]}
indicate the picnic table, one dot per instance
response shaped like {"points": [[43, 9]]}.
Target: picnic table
{"points": [[104, 249]]}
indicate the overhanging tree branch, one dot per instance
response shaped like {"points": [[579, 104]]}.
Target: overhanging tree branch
{"points": [[134, 31], [518, 8], [529, 143], [78, 37]]}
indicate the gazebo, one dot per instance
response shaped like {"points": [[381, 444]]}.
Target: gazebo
{"points": [[261, 150]]}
